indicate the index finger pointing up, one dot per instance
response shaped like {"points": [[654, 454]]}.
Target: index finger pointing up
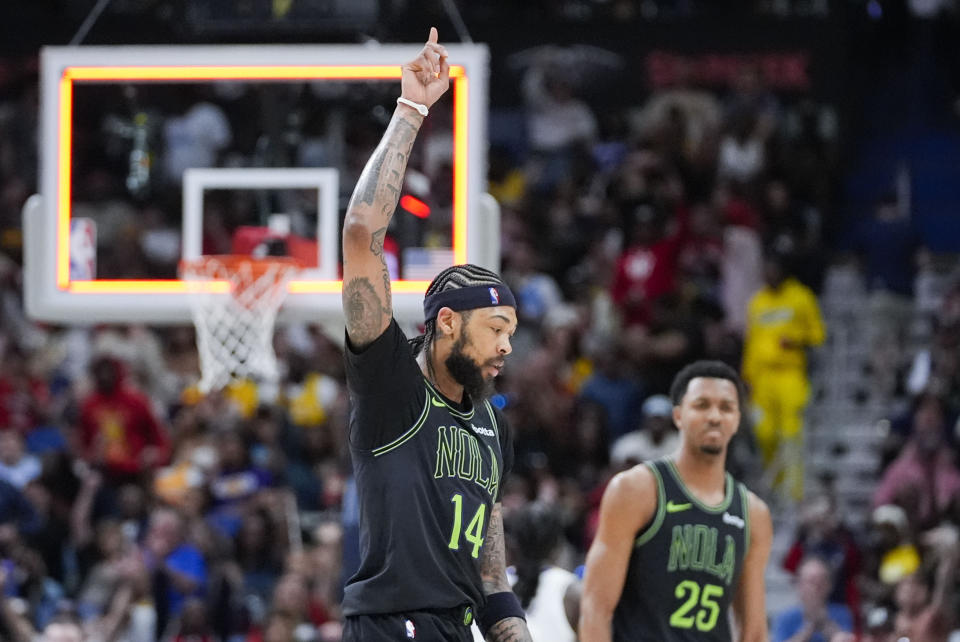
{"points": [[433, 35]]}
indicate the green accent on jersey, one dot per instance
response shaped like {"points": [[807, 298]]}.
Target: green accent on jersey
{"points": [[419, 525], [688, 591], [475, 454], [680, 584], [494, 483], [468, 616], [493, 418], [474, 532], [676, 508], [745, 501], [467, 462], [453, 411], [457, 522], [707, 615], [719, 508], [448, 452], [695, 547], [402, 439], [661, 503], [458, 455]]}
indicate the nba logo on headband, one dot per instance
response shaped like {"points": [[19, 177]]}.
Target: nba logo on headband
{"points": [[494, 296]]}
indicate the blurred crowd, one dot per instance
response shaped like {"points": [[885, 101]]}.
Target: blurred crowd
{"points": [[636, 240]]}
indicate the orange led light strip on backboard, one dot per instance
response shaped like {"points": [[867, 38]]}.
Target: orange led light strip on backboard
{"points": [[174, 73], [170, 286]]}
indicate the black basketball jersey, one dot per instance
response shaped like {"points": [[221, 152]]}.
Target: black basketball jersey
{"points": [[685, 566], [428, 473]]}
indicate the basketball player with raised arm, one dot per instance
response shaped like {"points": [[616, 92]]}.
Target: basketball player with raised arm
{"points": [[429, 451], [679, 539]]}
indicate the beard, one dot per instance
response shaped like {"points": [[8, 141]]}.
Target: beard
{"points": [[710, 449], [467, 373]]}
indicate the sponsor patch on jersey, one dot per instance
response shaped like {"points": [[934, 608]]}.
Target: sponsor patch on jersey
{"points": [[733, 520], [480, 430], [494, 296], [673, 507], [411, 629]]}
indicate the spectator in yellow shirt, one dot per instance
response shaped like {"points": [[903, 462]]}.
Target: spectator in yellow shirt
{"points": [[783, 320]]}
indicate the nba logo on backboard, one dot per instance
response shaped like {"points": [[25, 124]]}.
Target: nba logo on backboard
{"points": [[494, 296], [411, 630], [83, 249]]}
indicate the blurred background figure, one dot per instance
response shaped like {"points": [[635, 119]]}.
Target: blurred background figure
{"points": [[783, 322], [924, 479], [655, 438], [560, 124], [821, 533], [816, 618], [536, 542], [926, 600], [118, 429]]}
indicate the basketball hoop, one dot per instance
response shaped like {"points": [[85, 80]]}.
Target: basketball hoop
{"points": [[234, 300]]}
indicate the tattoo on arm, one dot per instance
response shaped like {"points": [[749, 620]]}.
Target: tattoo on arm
{"points": [[374, 201], [493, 571], [368, 186], [382, 179], [493, 563], [511, 629], [376, 246], [363, 310]]}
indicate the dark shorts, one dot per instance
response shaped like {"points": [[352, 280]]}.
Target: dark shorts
{"points": [[446, 625]]}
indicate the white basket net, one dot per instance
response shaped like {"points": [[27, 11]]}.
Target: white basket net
{"points": [[235, 327]]}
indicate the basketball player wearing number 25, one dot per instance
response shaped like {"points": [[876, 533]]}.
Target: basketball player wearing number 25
{"points": [[429, 451], [680, 541]]}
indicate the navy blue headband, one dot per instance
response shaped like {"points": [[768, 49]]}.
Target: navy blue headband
{"points": [[458, 299]]}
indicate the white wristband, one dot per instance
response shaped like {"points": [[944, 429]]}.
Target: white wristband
{"points": [[409, 103]]}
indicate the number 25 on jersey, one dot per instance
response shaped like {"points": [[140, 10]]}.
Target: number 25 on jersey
{"points": [[699, 608]]}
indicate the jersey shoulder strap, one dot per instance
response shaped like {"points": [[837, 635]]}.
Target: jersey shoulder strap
{"points": [[648, 532]]}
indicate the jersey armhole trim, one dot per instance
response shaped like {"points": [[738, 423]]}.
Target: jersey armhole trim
{"points": [[745, 499], [402, 439], [493, 418], [654, 527]]}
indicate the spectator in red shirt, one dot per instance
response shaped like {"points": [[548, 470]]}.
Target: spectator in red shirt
{"points": [[118, 430], [647, 269], [701, 253]]}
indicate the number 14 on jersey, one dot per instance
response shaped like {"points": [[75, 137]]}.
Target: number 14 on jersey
{"points": [[474, 532]]}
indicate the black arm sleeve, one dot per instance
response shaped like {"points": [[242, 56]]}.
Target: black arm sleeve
{"points": [[386, 387]]}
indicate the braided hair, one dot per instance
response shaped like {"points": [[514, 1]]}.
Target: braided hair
{"points": [[452, 278]]}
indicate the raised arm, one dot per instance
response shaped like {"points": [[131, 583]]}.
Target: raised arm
{"points": [[629, 502], [367, 303], [749, 602]]}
